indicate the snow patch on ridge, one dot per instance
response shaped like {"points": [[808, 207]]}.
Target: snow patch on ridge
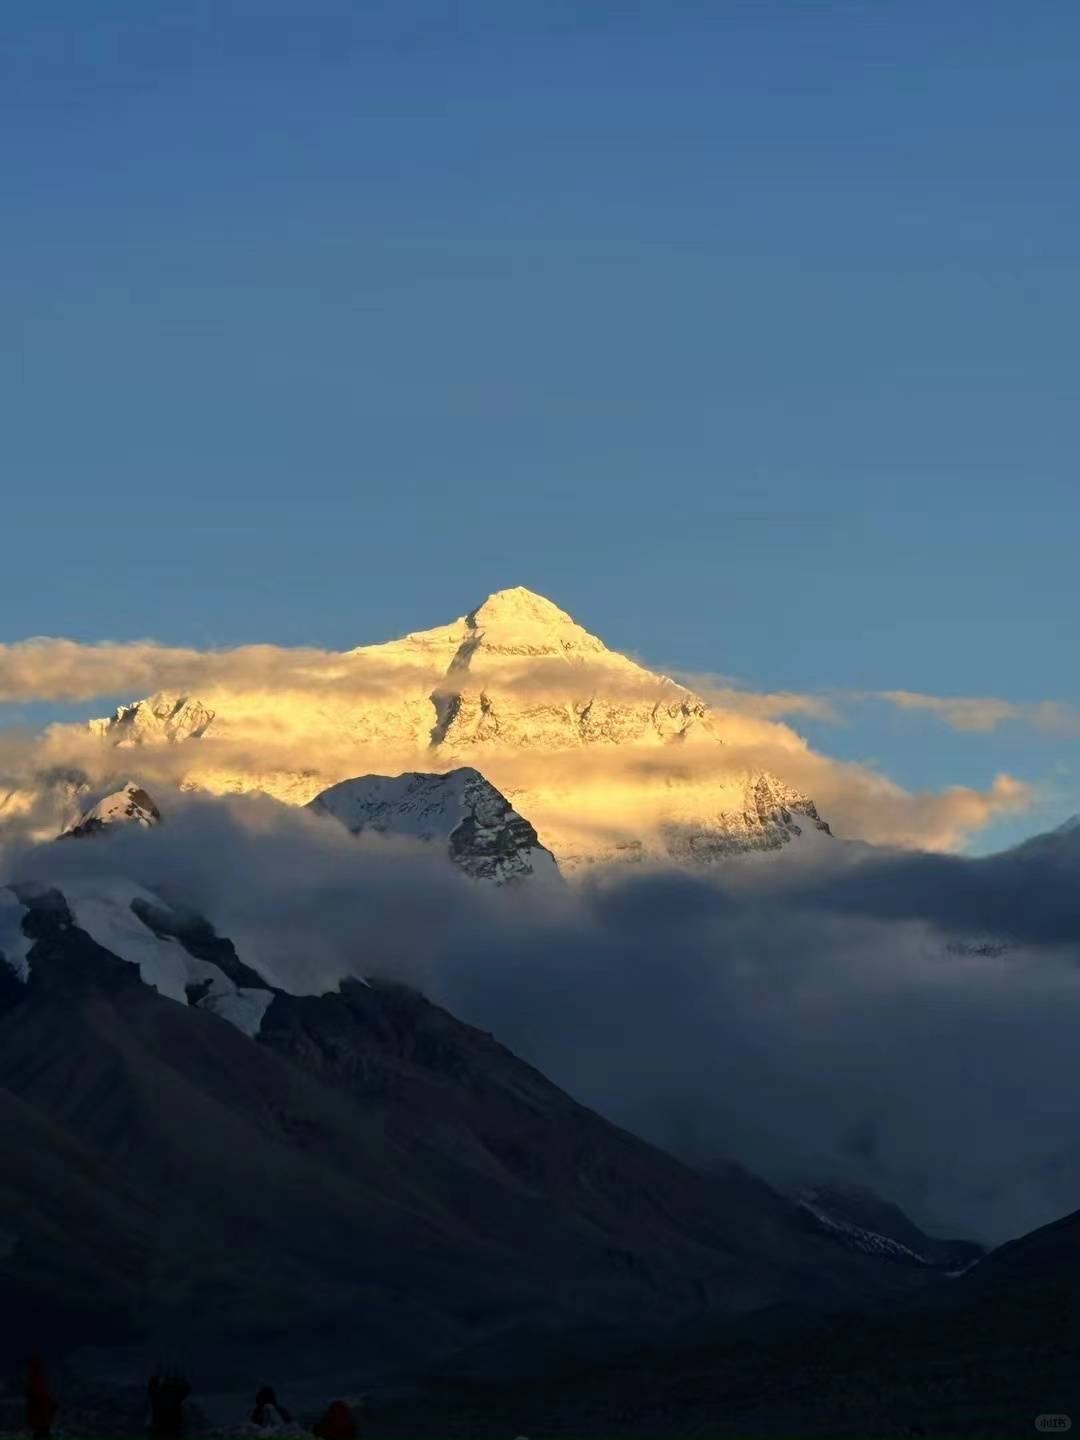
{"points": [[130, 805], [161, 717], [869, 1241], [102, 907], [244, 1007]]}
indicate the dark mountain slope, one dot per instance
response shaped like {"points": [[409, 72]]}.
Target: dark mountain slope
{"points": [[369, 1183], [982, 1355], [69, 1224], [267, 1203], [516, 1159]]}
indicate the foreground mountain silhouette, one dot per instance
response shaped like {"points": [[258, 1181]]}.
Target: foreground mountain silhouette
{"points": [[357, 1184], [981, 1355], [359, 1179], [608, 760]]}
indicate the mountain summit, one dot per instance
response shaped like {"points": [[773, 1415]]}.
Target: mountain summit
{"points": [[514, 622], [608, 760], [130, 805], [520, 622], [519, 672], [460, 811]]}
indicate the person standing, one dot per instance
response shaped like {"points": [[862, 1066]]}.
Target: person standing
{"points": [[337, 1423], [41, 1406], [166, 1395], [268, 1414]]}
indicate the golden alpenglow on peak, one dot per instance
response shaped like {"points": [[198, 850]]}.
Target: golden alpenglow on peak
{"points": [[519, 606], [518, 621], [608, 760]]}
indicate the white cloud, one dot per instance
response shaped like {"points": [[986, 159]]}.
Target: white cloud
{"points": [[983, 714], [292, 721]]}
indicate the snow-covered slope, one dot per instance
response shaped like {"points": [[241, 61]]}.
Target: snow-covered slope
{"points": [[162, 717], [609, 761], [130, 805], [138, 926], [862, 1220], [460, 811]]}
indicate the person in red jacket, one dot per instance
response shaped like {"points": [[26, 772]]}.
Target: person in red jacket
{"points": [[337, 1423], [40, 1405]]}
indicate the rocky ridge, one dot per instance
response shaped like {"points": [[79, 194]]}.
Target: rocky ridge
{"points": [[358, 1181], [130, 805], [459, 811], [163, 716], [176, 954]]}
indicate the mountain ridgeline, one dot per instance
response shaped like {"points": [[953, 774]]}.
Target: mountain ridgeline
{"points": [[203, 1155], [609, 761], [358, 1183], [192, 1150]]}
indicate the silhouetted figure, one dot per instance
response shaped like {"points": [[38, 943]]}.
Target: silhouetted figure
{"points": [[166, 1395], [268, 1413], [337, 1423], [40, 1404]]}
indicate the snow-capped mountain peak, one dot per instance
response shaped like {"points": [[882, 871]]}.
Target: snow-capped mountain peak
{"points": [[164, 716], [607, 759], [460, 811], [520, 622], [130, 805], [517, 605], [171, 951]]}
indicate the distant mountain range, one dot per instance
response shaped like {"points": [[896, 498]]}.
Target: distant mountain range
{"points": [[590, 747], [358, 1182]]}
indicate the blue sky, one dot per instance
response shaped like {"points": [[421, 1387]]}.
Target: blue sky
{"points": [[745, 331]]}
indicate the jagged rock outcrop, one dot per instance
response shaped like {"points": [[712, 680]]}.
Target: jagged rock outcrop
{"points": [[130, 805], [461, 812], [160, 717]]}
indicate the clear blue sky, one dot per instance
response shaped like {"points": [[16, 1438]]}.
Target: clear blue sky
{"points": [[745, 331]]}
